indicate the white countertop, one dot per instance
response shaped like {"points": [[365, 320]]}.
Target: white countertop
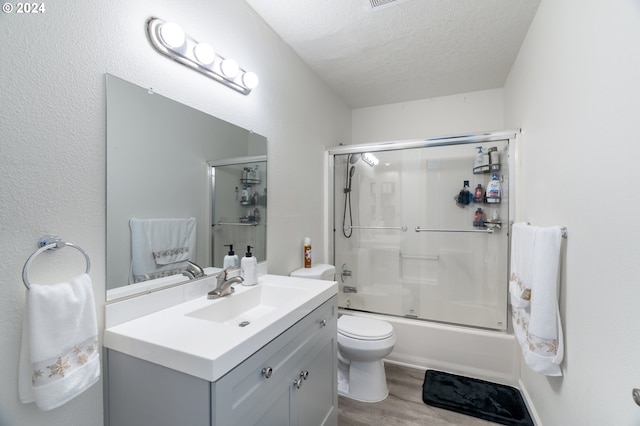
{"points": [[207, 349]]}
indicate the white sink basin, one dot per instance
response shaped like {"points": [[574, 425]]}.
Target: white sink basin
{"points": [[243, 309], [207, 338]]}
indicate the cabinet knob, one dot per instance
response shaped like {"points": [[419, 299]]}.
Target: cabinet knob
{"points": [[297, 383], [323, 322], [267, 372], [304, 374]]}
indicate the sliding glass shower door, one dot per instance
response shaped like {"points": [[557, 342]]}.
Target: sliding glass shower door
{"points": [[411, 241]]}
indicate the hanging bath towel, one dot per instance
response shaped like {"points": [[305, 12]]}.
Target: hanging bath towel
{"points": [[522, 243], [537, 325], [59, 355]]}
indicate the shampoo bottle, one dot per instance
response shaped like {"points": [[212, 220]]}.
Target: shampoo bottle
{"points": [[479, 218], [478, 194], [307, 252], [494, 190], [249, 265], [479, 157], [231, 259], [244, 198]]}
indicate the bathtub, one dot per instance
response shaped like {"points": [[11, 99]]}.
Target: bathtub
{"points": [[484, 354]]}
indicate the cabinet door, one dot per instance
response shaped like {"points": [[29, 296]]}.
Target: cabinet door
{"points": [[246, 393], [278, 413], [314, 401], [145, 394]]}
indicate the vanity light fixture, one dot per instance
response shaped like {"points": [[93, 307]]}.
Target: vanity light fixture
{"points": [[170, 40]]}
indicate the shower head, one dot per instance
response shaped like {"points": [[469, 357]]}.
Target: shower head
{"points": [[367, 157], [352, 171]]}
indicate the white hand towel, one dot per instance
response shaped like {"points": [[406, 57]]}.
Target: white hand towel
{"points": [[161, 247], [59, 355], [522, 245], [545, 330]]}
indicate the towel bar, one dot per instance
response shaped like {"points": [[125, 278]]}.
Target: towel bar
{"points": [[50, 242], [563, 231], [236, 223], [484, 231], [402, 228]]}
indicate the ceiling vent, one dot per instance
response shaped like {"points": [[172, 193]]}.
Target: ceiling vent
{"points": [[382, 4]]}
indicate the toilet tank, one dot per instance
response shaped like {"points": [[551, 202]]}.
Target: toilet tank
{"points": [[317, 272]]}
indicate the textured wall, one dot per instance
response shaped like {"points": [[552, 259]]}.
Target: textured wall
{"points": [[52, 144], [574, 90], [441, 116]]}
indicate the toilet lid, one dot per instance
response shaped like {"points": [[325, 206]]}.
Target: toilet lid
{"points": [[364, 328]]}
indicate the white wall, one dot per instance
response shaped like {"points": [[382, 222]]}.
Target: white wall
{"points": [[441, 116], [575, 91], [52, 136]]}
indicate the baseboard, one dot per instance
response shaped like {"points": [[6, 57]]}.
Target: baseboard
{"points": [[527, 400]]}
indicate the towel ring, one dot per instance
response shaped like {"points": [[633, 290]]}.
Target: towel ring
{"points": [[50, 242]]}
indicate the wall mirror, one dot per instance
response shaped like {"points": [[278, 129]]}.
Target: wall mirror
{"points": [[163, 160], [239, 207]]}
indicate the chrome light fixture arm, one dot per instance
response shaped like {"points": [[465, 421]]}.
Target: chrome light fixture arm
{"points": [[169, 39]]}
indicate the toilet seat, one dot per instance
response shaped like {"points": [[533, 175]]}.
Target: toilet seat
{"points": [[364, 328]]}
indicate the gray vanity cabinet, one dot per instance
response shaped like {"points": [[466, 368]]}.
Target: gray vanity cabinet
{"points": [[290, 381]]}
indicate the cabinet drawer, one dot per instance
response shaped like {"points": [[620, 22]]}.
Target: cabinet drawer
{"points": [[244, 394]]}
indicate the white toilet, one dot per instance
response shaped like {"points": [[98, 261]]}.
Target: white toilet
{"points": [[317, 272], [362, 344]]}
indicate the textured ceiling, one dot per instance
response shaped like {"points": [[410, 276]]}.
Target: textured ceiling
{"points": [[405, 50]]}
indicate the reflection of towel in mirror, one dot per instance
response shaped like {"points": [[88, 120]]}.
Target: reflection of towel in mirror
{"points": [[59, 356], [161, 247], [537, 326]]}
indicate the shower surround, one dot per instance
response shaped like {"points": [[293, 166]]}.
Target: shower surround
{"points": [[406, 248]]}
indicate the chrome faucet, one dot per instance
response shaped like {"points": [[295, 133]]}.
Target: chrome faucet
{"points": [[195, 269], [224, 283]]}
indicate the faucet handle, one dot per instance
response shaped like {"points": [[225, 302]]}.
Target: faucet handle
{"points": [[221, 276], [232, 271]]}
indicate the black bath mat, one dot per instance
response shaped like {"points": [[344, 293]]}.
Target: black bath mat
{"points": [[485, 400]]}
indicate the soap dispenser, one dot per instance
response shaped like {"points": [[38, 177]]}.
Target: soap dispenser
{"points": [[249, 265], [494, 190], [479, 158], [231, 259]]}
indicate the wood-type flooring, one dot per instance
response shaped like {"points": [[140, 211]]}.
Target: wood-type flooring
{"points": [[403, 406]]}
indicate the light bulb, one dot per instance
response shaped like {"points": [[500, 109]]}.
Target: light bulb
{"points": [[204, 53], [229, 68], [250, 80], [172, 35]]}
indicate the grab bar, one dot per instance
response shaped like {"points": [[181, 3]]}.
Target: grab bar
{"points": [[402, 228], [485, 231], [237, 223], [418, 257], [50, 242]]}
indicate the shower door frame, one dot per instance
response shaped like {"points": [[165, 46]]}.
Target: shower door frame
{"points": [[512, 136]]}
